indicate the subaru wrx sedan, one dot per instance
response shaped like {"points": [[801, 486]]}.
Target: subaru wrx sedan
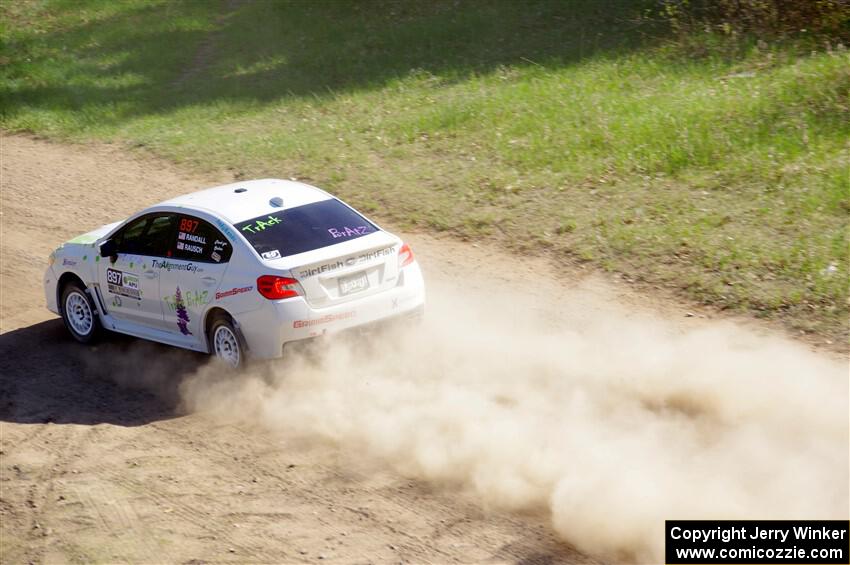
{"points": [[236, 271]]}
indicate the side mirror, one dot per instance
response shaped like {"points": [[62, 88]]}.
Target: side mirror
{"points": [[109, 249]]}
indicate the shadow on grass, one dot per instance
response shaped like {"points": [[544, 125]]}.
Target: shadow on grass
{"points": [[137, 58]]}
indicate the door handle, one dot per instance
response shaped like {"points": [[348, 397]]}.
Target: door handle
{"points": [[151, 274], [209, 280]]}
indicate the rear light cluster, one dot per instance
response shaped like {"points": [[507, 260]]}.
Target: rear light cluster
{"points": [[405, 256], [277, 288]]}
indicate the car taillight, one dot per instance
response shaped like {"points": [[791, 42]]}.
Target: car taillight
{"points": [[405, 256], [276, 288]]}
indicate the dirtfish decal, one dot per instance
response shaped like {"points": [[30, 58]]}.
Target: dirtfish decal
{"points": [[362, 258]]}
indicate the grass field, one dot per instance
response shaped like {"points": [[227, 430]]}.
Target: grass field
{"points": [[565, 127]]}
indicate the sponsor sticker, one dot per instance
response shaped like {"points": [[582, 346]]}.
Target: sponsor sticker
{"points": [[232, 292], [349, 262], [225, 229], [273, 254], [124, 284], [215, 256], [171, 266], [326, 319], [68, 262]]}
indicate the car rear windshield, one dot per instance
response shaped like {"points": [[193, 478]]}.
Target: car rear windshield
{"points": [[304, 228]]}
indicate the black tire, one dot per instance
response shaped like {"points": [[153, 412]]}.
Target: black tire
{"points": [[225, 342], [79, 313]]}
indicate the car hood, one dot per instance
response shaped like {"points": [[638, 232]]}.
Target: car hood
{"points": [[94, 235]]}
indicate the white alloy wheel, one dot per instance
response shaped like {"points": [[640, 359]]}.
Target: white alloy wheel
{"points": [[226, 345], [78, 313]]}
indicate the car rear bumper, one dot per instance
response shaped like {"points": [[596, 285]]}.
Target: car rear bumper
{"points": [[268, 329], [398, 321]]}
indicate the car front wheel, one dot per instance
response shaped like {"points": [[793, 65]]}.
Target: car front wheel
{"points": [[225, 343], [79, 314]]}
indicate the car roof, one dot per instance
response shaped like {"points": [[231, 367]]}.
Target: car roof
{"points": [[240, 201]]}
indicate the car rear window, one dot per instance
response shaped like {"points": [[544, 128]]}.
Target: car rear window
{"points": [[304, 228]]}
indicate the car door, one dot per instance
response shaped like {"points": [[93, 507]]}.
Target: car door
{"points": [[199, 258], [130, 284]]}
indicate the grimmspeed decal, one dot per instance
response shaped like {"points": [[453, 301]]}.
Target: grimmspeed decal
{"points": [[124, 284], [324, 319], [233, 292], [351, 261], [169, 266]]}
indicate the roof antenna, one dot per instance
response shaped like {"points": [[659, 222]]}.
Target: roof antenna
{"points": [[277, 202]]}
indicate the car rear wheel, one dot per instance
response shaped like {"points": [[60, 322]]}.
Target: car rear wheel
{"points": [[79, 313], [225, 343]]}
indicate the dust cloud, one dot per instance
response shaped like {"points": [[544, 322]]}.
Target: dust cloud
{"points": [[610, 423]]}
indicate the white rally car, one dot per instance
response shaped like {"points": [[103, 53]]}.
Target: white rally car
{"points": [[235, 270]]}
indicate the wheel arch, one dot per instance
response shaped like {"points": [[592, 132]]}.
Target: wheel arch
{"points": [[66, 278], [210, 316]]}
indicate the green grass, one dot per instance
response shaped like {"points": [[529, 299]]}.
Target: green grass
{"points": [[569, 127]]}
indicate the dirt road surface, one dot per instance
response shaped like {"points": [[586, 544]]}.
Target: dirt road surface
{"points": [[104, 460]]}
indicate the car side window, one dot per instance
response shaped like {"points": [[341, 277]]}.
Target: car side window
{"points": [[198, 240], [148, 235]]}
